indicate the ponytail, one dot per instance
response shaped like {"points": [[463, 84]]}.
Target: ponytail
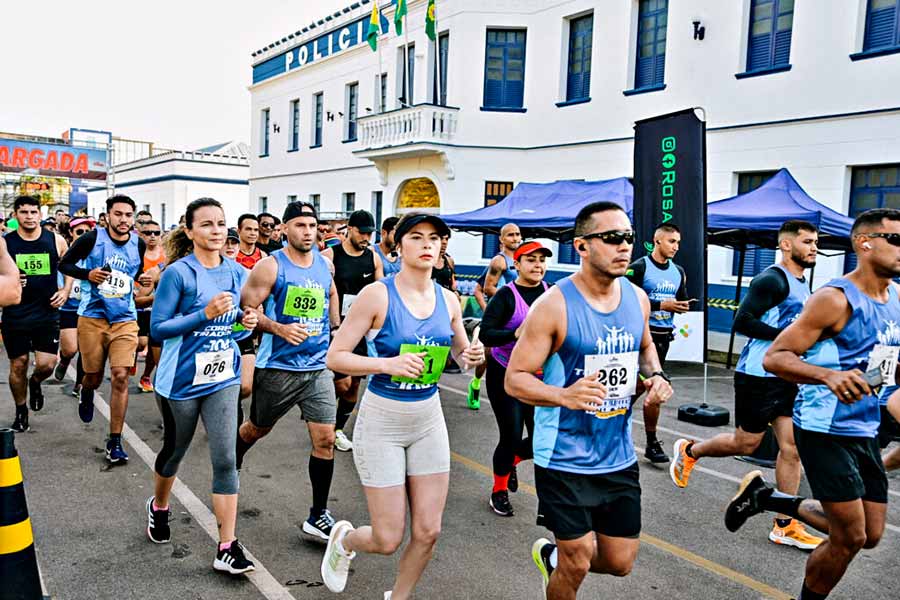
{"points": [[177, 245]]}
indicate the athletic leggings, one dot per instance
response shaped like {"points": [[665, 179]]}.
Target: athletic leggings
{"points": [[513, 417], [219, 412]]}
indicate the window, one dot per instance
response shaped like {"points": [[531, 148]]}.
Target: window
{"points": [[872, 187], [882, 30], [292, 198], [567, 255], [494, 192], [264, 133], [769, 43], [352, 110], [162, 216], [381, 91], [295, 125], [263, 204], [377, 209], [578, 75], [504, 69], [315, 200], [650, 65], [348, 202], [756, 258], [408, 75], [442, 53], [317, 120]]}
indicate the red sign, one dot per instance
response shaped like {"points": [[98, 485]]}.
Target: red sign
{"points": [[52, 160]]}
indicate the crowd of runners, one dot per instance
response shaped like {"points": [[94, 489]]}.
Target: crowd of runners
{"points": [[301, 312]]}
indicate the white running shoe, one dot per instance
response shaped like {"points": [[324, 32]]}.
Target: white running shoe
{"points": [[387, 595], [336, 563], [342, 442]]}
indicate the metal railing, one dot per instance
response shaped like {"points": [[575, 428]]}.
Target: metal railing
{"points": [[420, 123]]}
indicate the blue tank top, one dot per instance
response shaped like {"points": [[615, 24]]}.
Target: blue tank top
{"points": [[885, 394], [206, 359], [74, 299], [112, 300], [300, 295], [576, 441], [779, 317], [400, 329], [661, 284], [390, 268], [871, 323]]}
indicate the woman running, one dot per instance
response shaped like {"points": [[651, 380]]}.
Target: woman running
{"points": [[401, 449], [500, 329], [68, 316], [194, 313]]}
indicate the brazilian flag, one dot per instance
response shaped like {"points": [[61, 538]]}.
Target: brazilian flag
{"points": [[374, 28], [398, 16], [429, 21]]}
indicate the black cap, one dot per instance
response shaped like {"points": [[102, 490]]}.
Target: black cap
{"points": [[362, 220], [233, 234], [410, 220], [296, 209]]}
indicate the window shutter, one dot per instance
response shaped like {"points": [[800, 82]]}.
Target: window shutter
{"points": [[881, 30]]}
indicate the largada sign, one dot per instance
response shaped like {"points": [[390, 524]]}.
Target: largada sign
{"points": [[52, 160]]}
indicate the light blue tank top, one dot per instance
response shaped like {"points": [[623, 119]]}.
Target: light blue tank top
{"points": [[751, 359], [661, 284], [390, 268], [114, 299], [74, 299]]}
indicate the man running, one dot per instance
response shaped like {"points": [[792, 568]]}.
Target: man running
{"points": [[355, 267], [665, 284], [266, 231], [301, 303], [107, 318], [774, 300], [249, 253], [386, 249], [33, 324], [593, 327], [154, 256], [846, 337]]}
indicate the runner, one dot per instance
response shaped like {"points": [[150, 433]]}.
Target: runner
{"points": [[248, 230], [665, 284], [355, 267], [33, 324], [107, 318], [402, 450], [500, 272], [594, 325], [68, 316], [154, 257], [500, 328], [232, 245], [301, 302], [10, 285], [102, 221], [198, 377], [774, 300], [266, 230], [444, 271], [890, 429], [386, 249], [836, 415]]}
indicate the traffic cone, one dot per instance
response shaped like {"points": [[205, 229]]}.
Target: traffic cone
{"points": [[19, 577]]}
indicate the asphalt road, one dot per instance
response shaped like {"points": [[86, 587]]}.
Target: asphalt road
{"points": [[89, 519]]}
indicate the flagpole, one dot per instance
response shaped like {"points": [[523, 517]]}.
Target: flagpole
{"points": [[409, 92], [381, 107], [437, 41]]}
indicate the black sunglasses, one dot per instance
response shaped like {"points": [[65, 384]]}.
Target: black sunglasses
{"points": [[891, 238], [267, 225], [613, 237], [153, 233]]}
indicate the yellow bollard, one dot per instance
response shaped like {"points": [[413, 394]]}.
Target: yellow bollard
{"points": [[19, 577]]}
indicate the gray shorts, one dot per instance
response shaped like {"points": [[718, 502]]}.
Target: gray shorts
{"points": [[276, 391]]}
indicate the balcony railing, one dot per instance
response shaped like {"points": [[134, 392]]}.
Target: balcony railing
{"points": [[422, 123]]}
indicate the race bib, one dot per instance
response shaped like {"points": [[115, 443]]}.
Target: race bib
{"points": [[117, 285], [34, 264], [346, 303], [434, 363], [885, 358], [213, 367], [618, 372], [307, 303], [75, 293]]}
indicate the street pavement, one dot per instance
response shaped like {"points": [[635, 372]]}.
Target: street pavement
{"points": [[89, 519]]}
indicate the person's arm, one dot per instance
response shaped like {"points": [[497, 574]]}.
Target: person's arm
{"points": [[79, 250], [329, 254], [495, 270], [379, 266], [163, 322], [682, 293], [10, 287], [658, 388], [500, 309], [479, 296], [893, 405], [468, 354], [62, 294], [768, 289], [452, 264], [334, 306]]}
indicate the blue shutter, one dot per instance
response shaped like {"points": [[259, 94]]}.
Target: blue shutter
{"points": [[650, 62], [769, 43], [567, 254], [504, 69], [578, 76], [758, 52], [881, 27], [782, 54], [490, 245]]}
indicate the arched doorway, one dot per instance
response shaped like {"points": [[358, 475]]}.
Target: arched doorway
{"points": [[418, 194]]}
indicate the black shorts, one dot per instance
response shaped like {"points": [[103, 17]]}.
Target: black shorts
{"points": [[841, 468], [889, 430], [662, 339], [572, 505], [68, 319], [143, 323], [758, 401], [23, 339], [362, 349]]}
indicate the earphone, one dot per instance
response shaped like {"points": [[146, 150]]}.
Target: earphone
{"points": [[582, 247], [867, 245]]}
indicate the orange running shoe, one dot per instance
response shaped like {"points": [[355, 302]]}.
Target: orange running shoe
{"points": [[146, 384], [681, 466], [795, 535]]}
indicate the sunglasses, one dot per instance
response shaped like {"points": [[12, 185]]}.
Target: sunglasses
{"points": [[153, 233], [613, 237], [267, 225], [891, 238]]}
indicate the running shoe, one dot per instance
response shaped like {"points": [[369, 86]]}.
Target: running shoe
{"points": [[513, 483], [146, 385], [654, 452], [540, 554], [158, 523], [342, 442], [473, 398], [232, 560], [35, 394], [115, 454], [748, 501], [20, 425], [336, 562], [86, 405], [387, 595], [59, 373], [133, 370], [76, 390], [681, 466], [795, 535], [500, 504], [319, 525]]}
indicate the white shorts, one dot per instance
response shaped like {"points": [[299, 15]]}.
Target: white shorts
{"points": [[393, 440]]}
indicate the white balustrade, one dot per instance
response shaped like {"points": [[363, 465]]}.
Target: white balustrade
{"points": [[421, 123]]}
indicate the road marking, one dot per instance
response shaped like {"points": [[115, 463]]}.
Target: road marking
{"points": [[264, 581]]}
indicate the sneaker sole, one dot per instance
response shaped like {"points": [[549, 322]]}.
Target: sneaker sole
{"points": [[339, 526], [539, 562], [222, 567], [312, 531], [117, 461], [745, 483], [502, 514], [786, 541], [155, 541], [676, 452], [343, 448]]}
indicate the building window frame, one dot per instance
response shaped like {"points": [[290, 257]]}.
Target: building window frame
{"points": [[506, 93], [650, 71], [406, 61], [872, 186], [351, 111], [348, 202], [494, 192], [579, 59], [295, 125], [757, 258], [440, 51], [318, 118], [265, 118], [769, 51]]}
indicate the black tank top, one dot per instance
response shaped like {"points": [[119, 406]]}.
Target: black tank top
{"points": [[444, 275], [352, 273], [39, 260]]}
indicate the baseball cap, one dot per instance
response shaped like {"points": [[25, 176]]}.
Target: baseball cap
{"points": [[233, 234], [362, 220], [81, 221], [530, 248], [410, 220]]}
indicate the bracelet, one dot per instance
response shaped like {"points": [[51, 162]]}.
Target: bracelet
{"points": [[661, 374]]}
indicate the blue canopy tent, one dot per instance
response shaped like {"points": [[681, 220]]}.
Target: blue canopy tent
{"points": [[546, 210]]}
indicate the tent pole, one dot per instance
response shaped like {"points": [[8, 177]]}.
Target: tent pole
{"points": [[737, 298]]}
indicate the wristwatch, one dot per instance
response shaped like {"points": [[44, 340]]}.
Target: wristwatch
{"points": [[661, 374]]}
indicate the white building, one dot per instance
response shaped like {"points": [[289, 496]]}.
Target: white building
{"points": [[539, 91]]}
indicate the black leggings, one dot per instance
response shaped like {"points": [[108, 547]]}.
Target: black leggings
{"points": [[513, 417]]}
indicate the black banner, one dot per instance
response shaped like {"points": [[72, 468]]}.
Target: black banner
{"points": [[670, 186]]}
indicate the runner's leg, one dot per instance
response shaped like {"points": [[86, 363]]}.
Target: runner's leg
{"points": [[427, 498]]}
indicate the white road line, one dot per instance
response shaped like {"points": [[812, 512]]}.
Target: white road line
{"points": [[264, 581]]}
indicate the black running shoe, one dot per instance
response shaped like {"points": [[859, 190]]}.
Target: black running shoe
{"points": [[232, 560], [513, 483], [500, 504], [35, 395], [86, 405], [752, 492], [158, 524], [654, 452], [59, 373], [20, 425]]}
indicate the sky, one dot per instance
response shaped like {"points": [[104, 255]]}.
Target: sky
{"points": [[171, 72]]}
